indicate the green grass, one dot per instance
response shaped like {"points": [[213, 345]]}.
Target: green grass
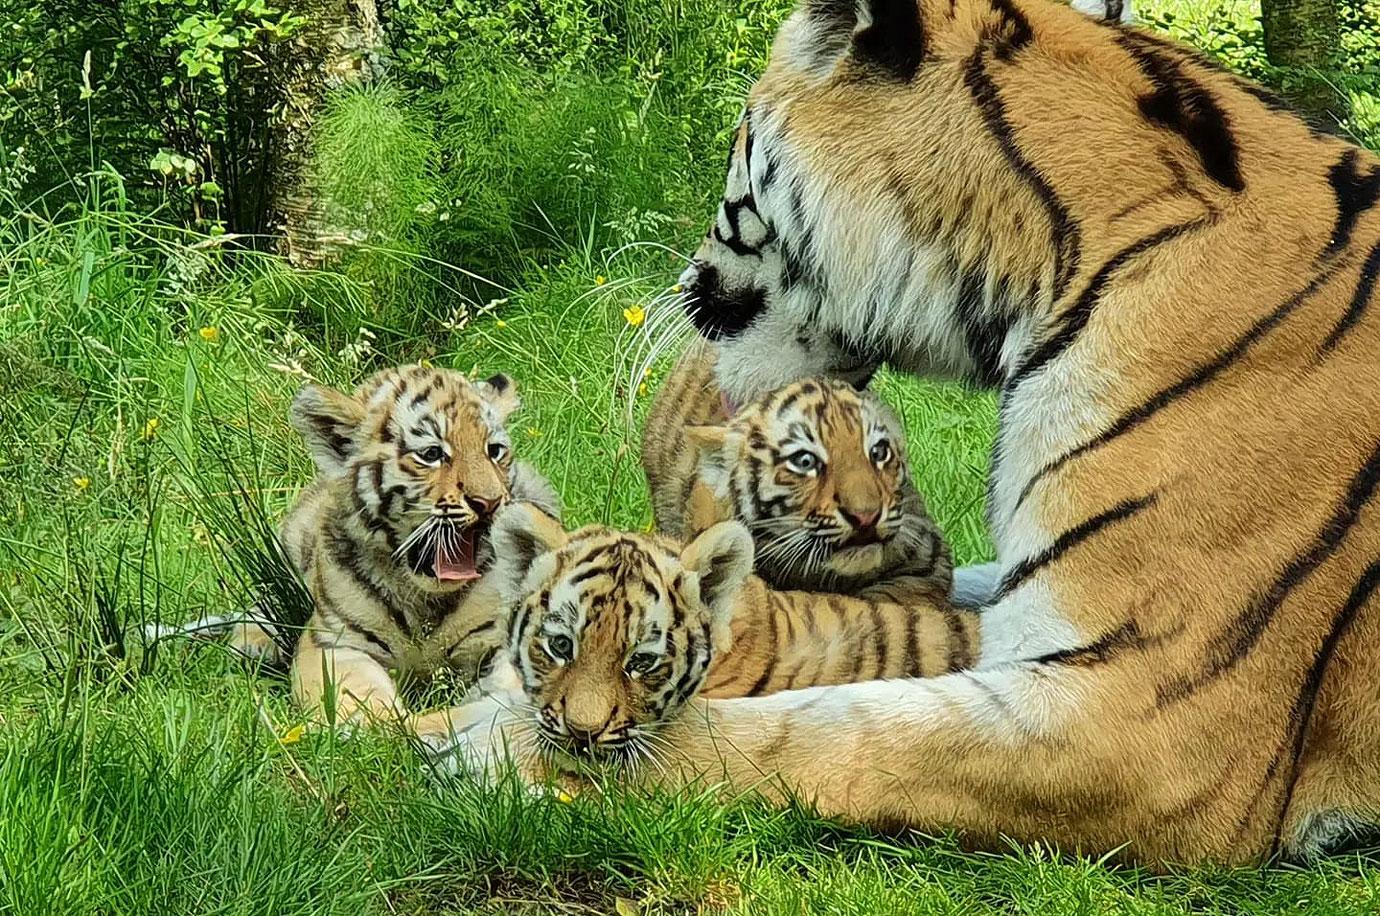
{"points": [[144, 378]]}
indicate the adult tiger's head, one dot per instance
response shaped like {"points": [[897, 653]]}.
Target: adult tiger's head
{"points": [[909, 180], [422, 461], [817, 471], [613, 632]]}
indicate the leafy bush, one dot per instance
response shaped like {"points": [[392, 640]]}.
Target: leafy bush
{"points": [[178, 92]]}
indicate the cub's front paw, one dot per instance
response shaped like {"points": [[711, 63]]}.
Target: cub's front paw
{"points": [[482, 738]]}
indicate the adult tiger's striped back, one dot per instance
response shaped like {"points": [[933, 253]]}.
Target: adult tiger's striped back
{"points": [[1172, 281]]}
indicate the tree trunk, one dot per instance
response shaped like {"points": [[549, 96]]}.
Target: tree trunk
{"points": [[1302, 39], [343, 43]]}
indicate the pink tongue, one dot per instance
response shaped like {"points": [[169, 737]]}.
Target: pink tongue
{"points": [[459, 565]]}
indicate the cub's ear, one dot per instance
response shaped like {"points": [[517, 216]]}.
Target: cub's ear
{"points": [[721, 558], [500, 391], [521, 535], [327, 421]]}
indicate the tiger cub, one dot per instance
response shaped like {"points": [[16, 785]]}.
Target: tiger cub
{"points": [[817, 471], [393, 535], [630, 626]]}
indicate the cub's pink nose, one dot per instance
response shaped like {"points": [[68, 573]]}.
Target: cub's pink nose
{"points": [[864, 519]]}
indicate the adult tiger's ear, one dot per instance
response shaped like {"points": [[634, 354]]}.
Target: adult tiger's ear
{"points": [[721, 559], [522, 534], [327, 421], [885, 37], [1106, 10], [500, 391]]}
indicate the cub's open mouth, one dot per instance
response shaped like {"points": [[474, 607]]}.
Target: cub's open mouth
{"points": [[449, 553]]}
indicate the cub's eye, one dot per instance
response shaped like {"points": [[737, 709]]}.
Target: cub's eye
{"points": [[559, 647], [497, 451], [880, 451], [430, 456], [803, 462], [643, 663]]}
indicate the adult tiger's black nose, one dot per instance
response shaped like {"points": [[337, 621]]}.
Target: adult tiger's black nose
{"points": [[716, 309]]}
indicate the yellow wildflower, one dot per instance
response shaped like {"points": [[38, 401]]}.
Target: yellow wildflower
{"points": [[563, 796], [634, 315], [293, 735], [150, 427], [500, 323], [210, 334], [642, 390], [81, 483], [600, 280], [424, 363], [533, 432], [677, 288]]}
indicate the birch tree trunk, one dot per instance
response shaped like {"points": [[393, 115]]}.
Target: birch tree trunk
{"points": [[1302, 38], [343, 43]]}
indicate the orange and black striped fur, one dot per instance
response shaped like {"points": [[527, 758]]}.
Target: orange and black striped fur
{"points": [[817, 471], [1172, 281], [613, 632], [392, 536]]}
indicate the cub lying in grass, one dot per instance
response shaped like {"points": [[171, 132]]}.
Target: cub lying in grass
{"points": [[611, 633]]}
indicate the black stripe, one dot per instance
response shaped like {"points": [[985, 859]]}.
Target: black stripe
{"points": [[960, 654], [983, 333], [1246, 630], [1365, 290], [1014, 32], [1065, 235], [1126, 636], [329, 609], [1355, 193], [1075, 319], [1196, 379], [1180, 104], [879, 641], [344, 551], [1301, 714], [760, 684], [1067, 541], [473, 631], [894, 42], [912, 648]]}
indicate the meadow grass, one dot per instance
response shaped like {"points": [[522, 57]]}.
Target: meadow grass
{"points": [[144, 454]]}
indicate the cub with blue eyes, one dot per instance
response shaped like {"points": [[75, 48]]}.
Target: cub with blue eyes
{"points": [[611, 633], [815, 469]]}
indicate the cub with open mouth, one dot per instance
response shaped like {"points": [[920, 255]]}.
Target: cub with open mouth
{"points": [[392, 537]]}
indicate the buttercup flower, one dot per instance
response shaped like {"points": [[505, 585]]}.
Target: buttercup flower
{"points": [[293, 735], [150, 427], [500, 323], [634, 315], [81, 483], [600, 280], [210, 334]]}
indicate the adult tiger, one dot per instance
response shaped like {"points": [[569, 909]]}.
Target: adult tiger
{"points": [[1170, 279]]}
